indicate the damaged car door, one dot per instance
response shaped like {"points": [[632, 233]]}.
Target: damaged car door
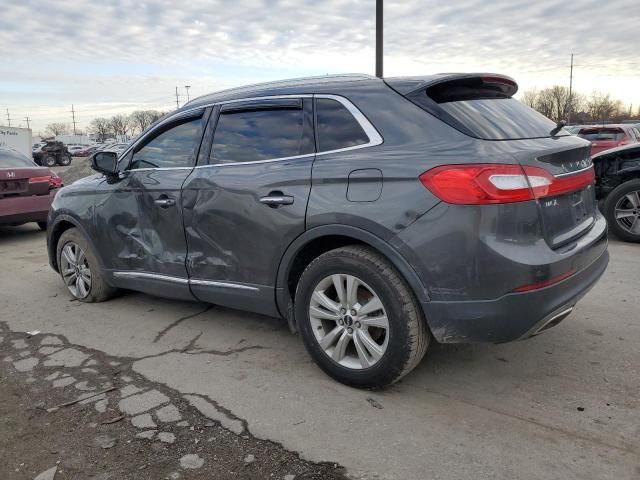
{"points": [[140, 213]]}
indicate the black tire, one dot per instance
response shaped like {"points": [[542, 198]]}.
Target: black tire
{"points": [[99, 290], [409, 336], [50, 161], [43, 226], [64, 160], [619, 194]]}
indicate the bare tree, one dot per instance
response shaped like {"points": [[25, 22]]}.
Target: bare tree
{"points": [[140, 120], [530, 98], [57, 128], [120, 124], [101, 127], [602, 108]]}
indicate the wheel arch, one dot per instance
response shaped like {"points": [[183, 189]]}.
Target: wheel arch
{"points": [[61, 224], [319, 240]]}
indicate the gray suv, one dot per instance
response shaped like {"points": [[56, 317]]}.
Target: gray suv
{"points": [[375, 216]]}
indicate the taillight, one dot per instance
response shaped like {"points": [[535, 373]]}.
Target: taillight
{"points": [[40, 179], [486, 183], [55, 182]]}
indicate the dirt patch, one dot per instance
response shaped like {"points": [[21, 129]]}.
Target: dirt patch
{"points": [[80, 167], [124, 427]]}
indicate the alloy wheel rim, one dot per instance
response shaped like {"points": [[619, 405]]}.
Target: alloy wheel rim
{"points": [[627, 212], [75, 270], [349, 321]]}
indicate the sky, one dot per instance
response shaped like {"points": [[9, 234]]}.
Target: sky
{"points": [[116, 56]]}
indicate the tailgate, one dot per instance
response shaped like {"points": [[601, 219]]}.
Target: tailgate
{"points": [[570, 214]]}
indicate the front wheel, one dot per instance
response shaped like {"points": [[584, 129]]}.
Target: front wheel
{"points": [[622, 210], [358, 318], [50, 161], [80, 270]]}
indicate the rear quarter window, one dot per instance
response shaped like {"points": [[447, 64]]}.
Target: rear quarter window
{"points": [[336, 127]]}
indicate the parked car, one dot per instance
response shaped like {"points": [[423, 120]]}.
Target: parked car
{"points": [[115, 147], [86, 151], [74, 149], [376, 216], [618, 187], [605, 137], [26, 189]]}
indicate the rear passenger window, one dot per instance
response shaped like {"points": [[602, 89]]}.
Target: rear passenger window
{"points": [[336, 127], [246, 136]]}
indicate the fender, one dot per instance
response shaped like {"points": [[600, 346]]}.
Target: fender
{"points": [[51, 249], [283, 298]]}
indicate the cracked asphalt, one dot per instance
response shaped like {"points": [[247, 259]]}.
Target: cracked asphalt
{"points": [[561, 405]]}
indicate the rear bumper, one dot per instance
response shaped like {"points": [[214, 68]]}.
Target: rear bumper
{"points": [[25, 209], [513, 316]]}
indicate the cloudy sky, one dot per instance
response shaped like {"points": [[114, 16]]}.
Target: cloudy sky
{"points": [[115, 56]]}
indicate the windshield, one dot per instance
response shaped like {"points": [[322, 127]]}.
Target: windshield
{"points": [[13, 159]]}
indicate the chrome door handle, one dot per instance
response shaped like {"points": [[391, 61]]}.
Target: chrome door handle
{"points": [[165, 202], [276, 200]]}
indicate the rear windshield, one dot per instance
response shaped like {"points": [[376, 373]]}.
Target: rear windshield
{"points": [[500, 119], [13, 159], [594, 134]]}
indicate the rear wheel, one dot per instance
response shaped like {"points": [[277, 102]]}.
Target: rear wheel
{"points": [[622, 210], [64, 160], [358, 319], [50, 161], [80, 270]]}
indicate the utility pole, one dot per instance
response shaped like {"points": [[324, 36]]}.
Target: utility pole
{"points": [[177, 103], [379, 25], [8, 118], [570, 92], [187, 87], [73, 116], [27, 120]]}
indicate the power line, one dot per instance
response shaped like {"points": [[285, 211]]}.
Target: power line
{"points": [[177, 101], [8, 117]]}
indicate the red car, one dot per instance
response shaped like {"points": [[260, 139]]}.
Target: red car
{"points": [[605, 137], [26, 190]]}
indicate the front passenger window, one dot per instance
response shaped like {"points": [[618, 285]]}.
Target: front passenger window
{"points": [[174, 147]]}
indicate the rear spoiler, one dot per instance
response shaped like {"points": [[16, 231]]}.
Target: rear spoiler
{"points": [[476, 85], [430, 92]]}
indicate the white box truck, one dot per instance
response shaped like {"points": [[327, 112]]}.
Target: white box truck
{"points": [[19, 139]]}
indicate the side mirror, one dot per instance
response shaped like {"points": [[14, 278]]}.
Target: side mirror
{"points": [[105, 162]]}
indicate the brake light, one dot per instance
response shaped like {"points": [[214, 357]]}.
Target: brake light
{"points": [[39, 179], [486, 183]]}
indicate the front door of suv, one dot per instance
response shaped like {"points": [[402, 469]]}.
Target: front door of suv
{"points": [[139, 217], [246, 200]]}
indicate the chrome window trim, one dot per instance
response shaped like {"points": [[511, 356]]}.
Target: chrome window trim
{"points": [[182, 280], [374, 136]]}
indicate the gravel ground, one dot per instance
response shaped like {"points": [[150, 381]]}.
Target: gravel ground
{"points": [[126, 427]]}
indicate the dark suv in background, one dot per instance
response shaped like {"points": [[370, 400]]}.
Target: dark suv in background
{"points": [[374, 215]]}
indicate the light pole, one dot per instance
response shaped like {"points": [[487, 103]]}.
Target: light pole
{"points": [[379, 38], [187, 88]]}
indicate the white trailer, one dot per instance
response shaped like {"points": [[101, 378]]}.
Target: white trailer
{"points": [[19, 139]]}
